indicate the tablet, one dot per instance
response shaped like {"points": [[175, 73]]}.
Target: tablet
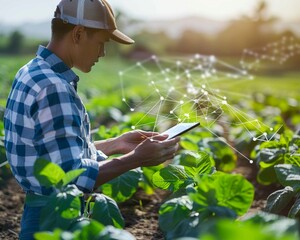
{"points": [[179, 129]]}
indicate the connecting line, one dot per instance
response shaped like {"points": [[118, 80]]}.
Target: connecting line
{"points": [[3, 164], [250, 161]]}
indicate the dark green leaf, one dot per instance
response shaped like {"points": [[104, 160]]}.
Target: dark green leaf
{"points": [[288, 175], [174, 211], [295, 210], [279, 199], [123, 187], [172, 177], [106, 211]]}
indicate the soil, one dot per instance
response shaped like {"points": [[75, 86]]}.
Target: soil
{"points": [[140, 212]]}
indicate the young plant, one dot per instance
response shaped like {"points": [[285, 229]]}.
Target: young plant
{"points": [[64, 207], [204, 194], [289, 176], [286, 150]]}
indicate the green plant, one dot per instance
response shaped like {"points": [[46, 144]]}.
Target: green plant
{"points": [[289, 176], [203, 195], [62, 214], [283, 151]]}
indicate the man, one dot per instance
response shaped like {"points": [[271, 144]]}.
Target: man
{"points": [[45, 117]]}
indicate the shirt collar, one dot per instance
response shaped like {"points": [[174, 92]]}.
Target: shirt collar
{"points": [[57, 64]]}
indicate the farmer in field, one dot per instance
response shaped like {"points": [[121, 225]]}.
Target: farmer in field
{"points": [[45, 118]]}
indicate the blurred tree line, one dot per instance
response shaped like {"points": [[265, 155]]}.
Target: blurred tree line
{"points": [[248, 32]]}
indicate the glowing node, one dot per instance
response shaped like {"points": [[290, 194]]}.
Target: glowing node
{"points": [[212, 59], [177, 77], [132, 127], [123, 99], [251, 161], [203, 86], [224, 102], [171, 112], [225, 97], [121, 73], [271, 129], [178, 63], [265, 134], [181, 102], [254, 139], [197, 56], [138, 64], [205, 118], [205, 93], [167, 79], [187, 115], [152, 82], [157, 90], [153, 57], [162, 98], [185, 95], [149, 73], [179, 119], [132, 109]]}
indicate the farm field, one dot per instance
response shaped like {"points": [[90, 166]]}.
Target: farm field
{"points": [[170, 200]]}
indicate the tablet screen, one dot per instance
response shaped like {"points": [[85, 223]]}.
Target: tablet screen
{"points": [[179, 129]]}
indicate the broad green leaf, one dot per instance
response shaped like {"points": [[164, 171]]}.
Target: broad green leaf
{"points": [[147, 184], [47, 173], [57, 234], [227, 190], [88, 230], [279, 199], [295, 210], [172, 177], [188, 144], [62, 209], [288, 175], [106, 211], [72, 175], [123, 187], [196, 163], [267, 175], [174, 211]]}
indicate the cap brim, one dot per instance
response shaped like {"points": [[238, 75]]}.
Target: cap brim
{"points": [[120, 37]]}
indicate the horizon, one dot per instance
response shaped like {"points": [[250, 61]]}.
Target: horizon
{"points": [[154, 10]]}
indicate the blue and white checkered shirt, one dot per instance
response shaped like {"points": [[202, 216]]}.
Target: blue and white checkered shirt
{"points": [[45, 118]]}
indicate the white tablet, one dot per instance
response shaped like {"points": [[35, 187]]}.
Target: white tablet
{"points": [[180, 128]]}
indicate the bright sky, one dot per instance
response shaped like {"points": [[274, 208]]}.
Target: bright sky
{"points": [[19, 11]]}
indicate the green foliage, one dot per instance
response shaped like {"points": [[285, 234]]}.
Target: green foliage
{"points": [[269, 154], [61, 215], [288, 175], [217, 196], [175, 177], [123, 187]]}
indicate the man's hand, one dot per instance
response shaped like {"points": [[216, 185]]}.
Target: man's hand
{"points": [[130, 140]]}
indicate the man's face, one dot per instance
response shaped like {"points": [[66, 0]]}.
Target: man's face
{"points": [[90, 49]]}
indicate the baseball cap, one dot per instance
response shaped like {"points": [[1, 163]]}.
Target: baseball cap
{"points": [[93, 14]]}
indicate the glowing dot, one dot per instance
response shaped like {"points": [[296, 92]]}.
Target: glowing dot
{"points": [[265, 134], [157, 90], [224, 102], [196, 100], [251, 161], [179, 119], [167, 79], [187, 115], [132, 109], [121, 73], [205, 93], [203, 86], [205, 118], [212, 59], [224, 97], [178, 63], [254, 139], [181, 102], [138, 64], [153, 57], [162, 98], [185, 95], [123, 99], [197, 56], [149, 73], [132, 127], [152, 82], [177, 77], [171, 112], [271, 129]]}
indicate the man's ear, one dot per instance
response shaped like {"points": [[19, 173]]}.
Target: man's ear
{"points": [[77, 34]]}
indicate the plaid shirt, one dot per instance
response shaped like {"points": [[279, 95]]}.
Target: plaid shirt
{"points": [[45, 118]]}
